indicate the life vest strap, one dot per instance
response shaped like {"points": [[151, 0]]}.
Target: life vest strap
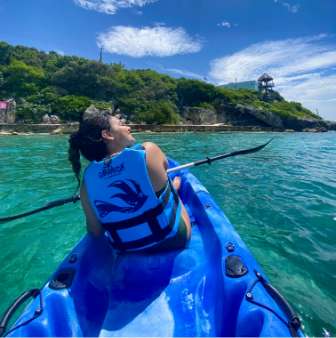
{"points": [[151, 218]]}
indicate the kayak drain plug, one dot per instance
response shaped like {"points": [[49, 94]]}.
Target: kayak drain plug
{"points": [[38, 311], [249, 296], [230, 247], [73, 258]]}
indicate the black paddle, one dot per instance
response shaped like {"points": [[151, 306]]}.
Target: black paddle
{"points": [[49, 205], [209, 160], [76, 198]]}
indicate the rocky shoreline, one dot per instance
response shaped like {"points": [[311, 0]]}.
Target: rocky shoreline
{"points": [[67, 128], [238, 118]]}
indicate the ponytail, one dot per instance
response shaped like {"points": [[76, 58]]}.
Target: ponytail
{"points": [[88, 141]]}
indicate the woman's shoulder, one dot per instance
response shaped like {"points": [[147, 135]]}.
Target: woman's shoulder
{"points": [[154, 155], [151, 147]]}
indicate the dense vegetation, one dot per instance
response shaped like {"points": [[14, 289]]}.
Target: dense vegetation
{"points": [[66, 85]]}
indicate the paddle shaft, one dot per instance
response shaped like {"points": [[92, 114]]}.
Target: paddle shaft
{"points": [[49, 205], [76, 198], [209, 160]]}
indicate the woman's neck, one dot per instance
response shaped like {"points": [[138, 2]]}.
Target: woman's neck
{"points": [[114, 150]]}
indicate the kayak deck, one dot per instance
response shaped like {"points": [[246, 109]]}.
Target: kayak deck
{"points": [[190, 292]]}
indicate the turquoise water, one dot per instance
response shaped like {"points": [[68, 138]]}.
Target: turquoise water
{"points": [[281, 200]]}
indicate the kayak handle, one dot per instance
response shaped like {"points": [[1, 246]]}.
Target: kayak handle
{"points": [[293, 323], [16, 304], [294, 320]]}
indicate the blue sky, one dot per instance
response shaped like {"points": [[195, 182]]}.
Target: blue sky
{"points": [[220, 41]]}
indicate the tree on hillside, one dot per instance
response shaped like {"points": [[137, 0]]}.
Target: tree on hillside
{"points": [[21, 79], [158, 112], [5, 50], [194, 92], [2, 80], [29, 56], [71, 107], [85, 79]]}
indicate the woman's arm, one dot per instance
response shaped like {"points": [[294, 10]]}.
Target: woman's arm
{"points": [[93, 226], [157, 164]]}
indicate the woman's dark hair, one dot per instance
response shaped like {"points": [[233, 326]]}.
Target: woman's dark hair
{"points": [[88, 140]]}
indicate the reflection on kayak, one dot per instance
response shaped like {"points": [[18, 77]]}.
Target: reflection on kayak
{"points": [[213, 288]]}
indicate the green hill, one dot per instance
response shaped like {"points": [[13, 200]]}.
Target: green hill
{"points": [[66, 85]]}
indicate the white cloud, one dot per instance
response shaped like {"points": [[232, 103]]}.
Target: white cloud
{"points": [[316, 92], [60, 52], [111, 6], [147, 41], [225, 24], [184, 73], [281, 58], [303, 69], [291, 8]]}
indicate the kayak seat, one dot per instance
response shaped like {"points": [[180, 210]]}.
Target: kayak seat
{"points": [[135, 289]]}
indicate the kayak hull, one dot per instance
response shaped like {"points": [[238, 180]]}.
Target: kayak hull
{"points": [[211, 288]]}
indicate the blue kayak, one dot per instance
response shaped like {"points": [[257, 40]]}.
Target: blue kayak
{"points": [[214, 287]]}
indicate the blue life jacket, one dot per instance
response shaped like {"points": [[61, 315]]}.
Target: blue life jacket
{"points": [[124, 201]]}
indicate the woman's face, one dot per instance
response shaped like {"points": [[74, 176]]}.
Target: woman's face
{"points": [[121, 133]]}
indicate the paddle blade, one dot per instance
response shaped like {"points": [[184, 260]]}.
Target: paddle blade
{"points": [[233, 153]]}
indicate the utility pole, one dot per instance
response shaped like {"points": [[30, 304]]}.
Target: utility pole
{"points": [[101, 55]]}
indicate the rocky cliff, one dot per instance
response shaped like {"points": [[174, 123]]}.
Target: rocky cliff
{"points": [[246, 115]]}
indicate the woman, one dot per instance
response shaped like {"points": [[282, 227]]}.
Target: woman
{"points": [[125, 192]]}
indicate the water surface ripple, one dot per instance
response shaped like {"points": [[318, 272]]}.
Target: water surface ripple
{"points": [[282, 202]]}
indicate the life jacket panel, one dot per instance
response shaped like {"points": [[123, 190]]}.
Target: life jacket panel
{"points": [[122, 196]]}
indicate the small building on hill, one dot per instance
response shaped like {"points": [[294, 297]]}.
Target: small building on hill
{"points": [[252, 85], [264, 84], [7, 111]]}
